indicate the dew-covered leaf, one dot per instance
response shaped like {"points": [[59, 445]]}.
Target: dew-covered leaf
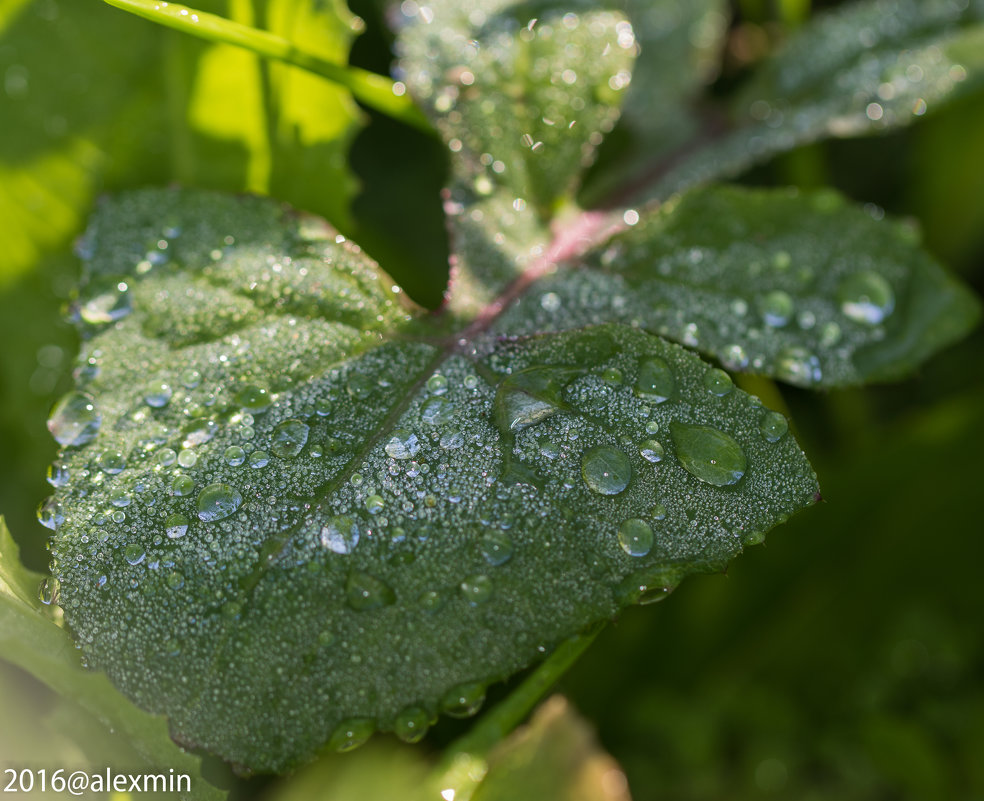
{"points": [[87, 706], [807, 288], [292, 515], [863, 69]]}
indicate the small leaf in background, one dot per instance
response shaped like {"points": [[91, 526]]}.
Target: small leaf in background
{"points": [[806, 288]]}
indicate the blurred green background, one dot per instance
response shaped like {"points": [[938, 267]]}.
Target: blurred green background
{"points": [[842, 660]]}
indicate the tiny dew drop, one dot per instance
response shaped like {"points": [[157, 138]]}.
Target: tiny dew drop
{"points": [[176, 525], [134, 553], [776, 308], [289, 438], [496, 548], [718, 382], [477, 589], [708, 454], [411, 724], [655, 381], [365, 592], [463, 700], [606, 470], [217, 502], [651, 450], [74, 419], [636, 537], [773, 426], [350, 734], [866, 298]]}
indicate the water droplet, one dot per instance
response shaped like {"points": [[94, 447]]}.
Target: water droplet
{"points": [[735, 357], [199, 432], [217, 502], [497, 548], [234, 456], [437, 411], [432, 601], [375, 504], [74, 419], [359, 386], [289, 438], [258, 459], [191, 379], [606, 470], [134, 553], [340, 534], [182, 485], [718, 382], [187, 458], [175, 580], [773, 426], [636, 537], [322, 407], [612, 375], [402, 444], [658, 512], [411, 724], [48, 590], [451, 440], [530, 396], [652, 427], [109, 300], [708, 454], [350, 734], [463, 700], [365, 592], [750, 538], [158, 394], [165, 457], [655, 382], [651, 450], [118, 497], [477, 589], [50, 514], [176, 525], [253, 398], [798, 366], [776, 308], [866, 298], [830, 334], [437, 384], [57, 474]]}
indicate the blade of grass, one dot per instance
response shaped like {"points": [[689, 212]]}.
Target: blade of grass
{"points": [[376, 91]]}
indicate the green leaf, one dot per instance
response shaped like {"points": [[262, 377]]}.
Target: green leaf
{"points": [[283, 485], [806, 288], [87, 702], [864, 69]]}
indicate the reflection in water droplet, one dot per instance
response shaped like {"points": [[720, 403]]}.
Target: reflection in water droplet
{"points": [[655, 382], [773, 426], [217, 502], [182, 485], [48, 590], [74, 419], [50, 514], [606, 470], [776, 308], [258, 459], [289, 438], [340, 534], [708, 454], [651, 450], [402, 444], [718, 382], [176, 525], [411, 724], [234, 456], [636, 537], [165, 457], [350, 734], [866, 298], [375, 504], [365, 592], [463, 700], [530, 397], [735, 357], [658, 512], [57, 474], [191, 379], [134, 553]]}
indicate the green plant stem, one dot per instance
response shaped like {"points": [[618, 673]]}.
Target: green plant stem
{"points": [[464, 762], [376, 91]]}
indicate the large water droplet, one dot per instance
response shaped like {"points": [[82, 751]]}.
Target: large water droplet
{"points": [[134, 553], [636, 537], [655, 382], [437, 384], [530, 396], [718, 382], [866, 298], [50, 514], [708, 454], [340, 534], [651, 450], [402, 444], [776, 308], [289, 438], [463, 700], [411, 724], [57, 474], [773, 426], [351, 733], [74, 419], [606, 470], [112, 462], [234, 456], [364, 592], [217, 502], [253, 399], [182, 485], [175, 580]]}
